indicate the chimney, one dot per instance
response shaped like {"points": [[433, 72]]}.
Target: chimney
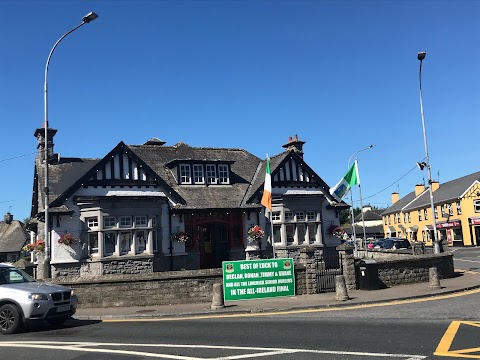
{"points": [[8, 218], [40, 135], [295, 145], [435, 185], [419, 188], [395, 197]]}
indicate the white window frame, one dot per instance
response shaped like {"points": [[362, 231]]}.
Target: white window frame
{"points": [[289, 216], [92, 222], [459, 208], [185, 174], [198, 174], [476, 206], [93, 251], [125, 222], [211, 174], [139, 249], [276, 216], [425, 214], [128, 248], [300, 216], [115, 240], [311, 216], [107, 222], [223, 174], [141, 221]]}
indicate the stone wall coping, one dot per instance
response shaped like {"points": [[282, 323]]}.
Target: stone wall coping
{"points": [[411, 258], [166, 275]]}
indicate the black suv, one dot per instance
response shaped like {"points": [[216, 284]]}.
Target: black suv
{"points": [[396, 243]]}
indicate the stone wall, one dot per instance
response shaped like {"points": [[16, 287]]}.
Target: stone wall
{"points": [[401, 269], [173, 287]]}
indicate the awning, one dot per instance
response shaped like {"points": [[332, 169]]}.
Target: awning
{"points": [[391, 229], [401, 227], [449, 224], [475, 221], [428, 227], [413, 228]]}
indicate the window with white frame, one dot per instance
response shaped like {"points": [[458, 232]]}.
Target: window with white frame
{"points": [[141, 240], [409, 218], [109, 222], [125, 242], [290, 231], [301, 233], [425, 214], [312, 232], [109, 241], [436, 213], [140, 221], [92, 222], [450, 209], [459, 209], [476, 206], [419, 215], [185, 176], [211, 174], [311, 216], [223, 176], [404, 218], [198, 176], [288, 216], [276, 216], [300, 215], [93, 243], [125, 221]]}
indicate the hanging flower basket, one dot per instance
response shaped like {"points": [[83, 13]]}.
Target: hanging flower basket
{"points": [[67, 239], [337, 231], [180, 236], [254, 234], [37, 247]]}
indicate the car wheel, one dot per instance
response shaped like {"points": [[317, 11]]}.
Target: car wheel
{"points": [[58, 320], [10, 319]]}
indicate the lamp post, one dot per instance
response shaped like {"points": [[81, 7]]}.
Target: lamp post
{"points": [[46, 262], [436, 243], [352, 217]]}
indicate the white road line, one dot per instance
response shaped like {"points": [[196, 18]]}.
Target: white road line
{"points": [[474, 261], [84, 346]]}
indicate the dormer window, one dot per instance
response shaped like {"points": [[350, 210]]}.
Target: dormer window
{"points": [[223, 177], [198, 174], [211, 174], [185, 176]]}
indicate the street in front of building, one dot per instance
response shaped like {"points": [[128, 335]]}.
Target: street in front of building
{"points": [[409, 329]]}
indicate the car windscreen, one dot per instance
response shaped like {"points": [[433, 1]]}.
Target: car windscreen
{"points": [[12, 275]]}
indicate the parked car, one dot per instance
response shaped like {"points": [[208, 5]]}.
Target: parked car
{"points": [[395, 243], [378, 244], [22, 299]]}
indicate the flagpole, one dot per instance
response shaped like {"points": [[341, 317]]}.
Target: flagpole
{"points": [[352, 220], [271, 232], [361, 209]]}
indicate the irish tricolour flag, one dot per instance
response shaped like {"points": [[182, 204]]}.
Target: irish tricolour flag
{"points": [[350, 179], [267, 189]]}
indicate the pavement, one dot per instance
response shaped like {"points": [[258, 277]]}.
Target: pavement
{"points": [[464, 281]]}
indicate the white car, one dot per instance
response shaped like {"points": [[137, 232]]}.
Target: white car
{"points": [[22, 299]]}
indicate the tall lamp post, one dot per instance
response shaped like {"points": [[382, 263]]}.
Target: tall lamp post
{"points": [[46, 262], [437, 248], [352, 217]]}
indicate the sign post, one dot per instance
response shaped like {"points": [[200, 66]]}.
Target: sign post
{"points": [[258, 279]]}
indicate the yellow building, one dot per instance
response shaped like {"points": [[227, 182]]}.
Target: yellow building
{"points": [[457, 213]]}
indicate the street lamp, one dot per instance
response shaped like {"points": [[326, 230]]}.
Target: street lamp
{"points": [[352, 217], [46, 264], [426, 164]]}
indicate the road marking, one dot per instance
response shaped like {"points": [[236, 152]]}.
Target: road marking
{"points": [[300, 311], [261, 351], [443, 348]]}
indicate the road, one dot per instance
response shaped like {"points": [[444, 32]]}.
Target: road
{"points": [[467, 258], [413, 330]]}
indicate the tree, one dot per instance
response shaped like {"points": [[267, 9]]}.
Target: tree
{"points": [[344, 216]]}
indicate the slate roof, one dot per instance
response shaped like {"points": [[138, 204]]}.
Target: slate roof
{"points": [[12, 236], [369, 215], [243, 168], [246, 175], [447, 192], [61, 175]]}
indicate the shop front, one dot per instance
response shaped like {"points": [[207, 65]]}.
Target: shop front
{"points": [[475, 231], [450, 233]]}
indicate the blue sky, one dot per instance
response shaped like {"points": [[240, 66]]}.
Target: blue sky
{"points": [[246, 74]]}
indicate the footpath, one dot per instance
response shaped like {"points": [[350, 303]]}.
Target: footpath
{"points": [[463, 282]]}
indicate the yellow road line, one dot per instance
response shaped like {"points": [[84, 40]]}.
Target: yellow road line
{"points": [[443, 348]]}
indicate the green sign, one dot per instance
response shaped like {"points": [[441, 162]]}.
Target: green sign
{"points": [[258, 279]]}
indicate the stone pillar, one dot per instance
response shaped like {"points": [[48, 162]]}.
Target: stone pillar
{"points": [[348, 265], [252, 252], [307, 259]]}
